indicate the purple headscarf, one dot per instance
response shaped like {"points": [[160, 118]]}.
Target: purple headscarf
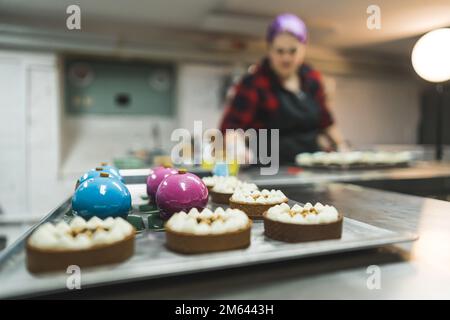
{"points": [[290, 23]]}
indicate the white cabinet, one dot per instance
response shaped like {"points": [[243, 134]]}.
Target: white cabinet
{"points": [[13, 180], [29, 117]]}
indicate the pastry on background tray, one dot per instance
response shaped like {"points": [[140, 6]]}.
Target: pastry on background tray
{"points": [[83, 243], [300, 224], [354, 158], [208, 231], [254, 202]]}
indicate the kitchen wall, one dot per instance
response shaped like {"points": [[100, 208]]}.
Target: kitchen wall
{"points": [[200, 94], [89, 140], [375, 110]]}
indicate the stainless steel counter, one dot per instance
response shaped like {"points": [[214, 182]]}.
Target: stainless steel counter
{"points": [[419, 170], [285, 176], [417, 270]]}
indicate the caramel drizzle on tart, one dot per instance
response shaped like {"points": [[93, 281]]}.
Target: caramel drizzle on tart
{"points": [[256, 196], [304, 212], [209, 221], [87, 231]]}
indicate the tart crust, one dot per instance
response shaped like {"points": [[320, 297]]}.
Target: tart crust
{"points": [[253, 210], [291, 232], [220, 197], [189, 243], [46, 260]]}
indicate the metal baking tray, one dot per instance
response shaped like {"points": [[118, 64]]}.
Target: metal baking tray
{"points": [[153, 260]]}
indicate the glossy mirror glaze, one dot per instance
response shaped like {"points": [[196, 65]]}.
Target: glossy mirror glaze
{"points": [[95, 173], [102, 196], [181, 192], [155, 178]]}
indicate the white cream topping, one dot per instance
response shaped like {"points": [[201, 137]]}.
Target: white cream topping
{"points": [[94, 223], [212, 181], [230, 184], [353, 157], [80, 234], [259, 197], [219, 221], [308, 214], [78, 223]]}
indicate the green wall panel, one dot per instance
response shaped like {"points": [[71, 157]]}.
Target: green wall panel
{"points": [[117, 87]]}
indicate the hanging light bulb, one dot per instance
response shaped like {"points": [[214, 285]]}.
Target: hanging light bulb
{"points": [[431, 56]]}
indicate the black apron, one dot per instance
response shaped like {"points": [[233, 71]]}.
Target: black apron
{"points": [[298, 120]]}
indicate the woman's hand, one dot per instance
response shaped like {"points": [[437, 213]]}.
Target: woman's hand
{"points": [[343, 147], [336, 139]]}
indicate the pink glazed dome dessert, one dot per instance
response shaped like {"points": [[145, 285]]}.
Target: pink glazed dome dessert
{"points": [[181, 192], [154, 179]]}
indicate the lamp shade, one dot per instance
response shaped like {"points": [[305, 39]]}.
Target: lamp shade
{"points": [[431, 56]]}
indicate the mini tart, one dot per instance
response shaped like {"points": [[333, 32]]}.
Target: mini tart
{"points": [[255, 203], [224, 189], [219, 197], [209, 182], [85, 244], [207, 231], [281, 223]]}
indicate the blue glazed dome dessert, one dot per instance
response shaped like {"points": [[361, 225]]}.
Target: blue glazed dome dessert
{"points": [[95, 173], [103, 196], [111, 170]]}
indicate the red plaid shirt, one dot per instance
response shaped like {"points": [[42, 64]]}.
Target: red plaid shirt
{"points": [[253, 102]]}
